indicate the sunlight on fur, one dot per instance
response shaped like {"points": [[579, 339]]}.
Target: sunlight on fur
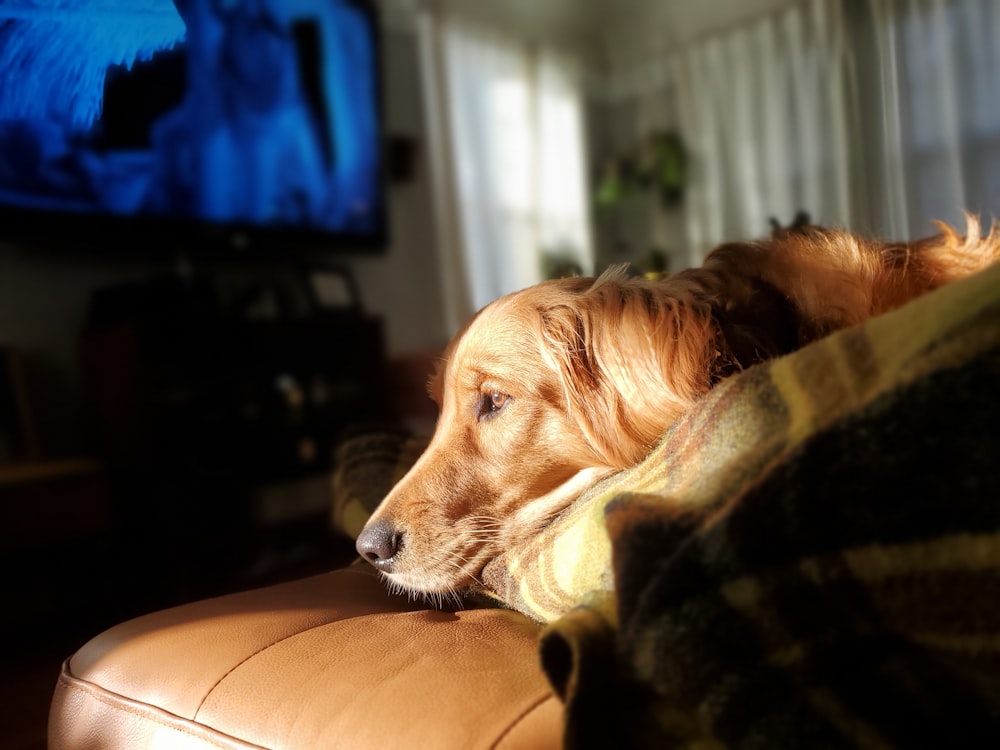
{"points": [[548, 390]]}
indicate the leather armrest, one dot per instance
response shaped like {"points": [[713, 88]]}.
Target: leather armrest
{"points": [[326, 661]]}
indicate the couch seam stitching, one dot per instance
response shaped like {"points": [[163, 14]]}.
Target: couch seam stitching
{"points": [[520, 718], [125, 705], [248, 657]]}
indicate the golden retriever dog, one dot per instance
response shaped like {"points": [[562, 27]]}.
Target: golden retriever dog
{"points": [[549, 389]]}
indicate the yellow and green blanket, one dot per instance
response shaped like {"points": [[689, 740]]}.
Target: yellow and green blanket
{"points": [[810, 558]]}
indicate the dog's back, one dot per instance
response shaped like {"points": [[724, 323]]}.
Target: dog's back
{"points": [[835, 279]]}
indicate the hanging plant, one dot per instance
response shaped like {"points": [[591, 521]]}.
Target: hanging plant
{"points": [[660, 167], [616, 183], [666, 167]]}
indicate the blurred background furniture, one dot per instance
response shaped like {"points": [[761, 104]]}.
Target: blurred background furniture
{"points": [[50, 509], [217, 421]]}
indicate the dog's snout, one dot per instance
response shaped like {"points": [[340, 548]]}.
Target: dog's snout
{"points": [[378, 543]]}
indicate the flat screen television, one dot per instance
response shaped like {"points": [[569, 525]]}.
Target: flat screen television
{"points": [[233, 126]]}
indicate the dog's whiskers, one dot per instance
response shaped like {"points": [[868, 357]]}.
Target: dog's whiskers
{"points": [[463, 565], [486, 520]]}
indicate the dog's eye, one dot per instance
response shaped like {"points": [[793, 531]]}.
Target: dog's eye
{"points": [[490, 403]]}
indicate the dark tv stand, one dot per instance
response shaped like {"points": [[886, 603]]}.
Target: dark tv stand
{"points": [[201, 411]]}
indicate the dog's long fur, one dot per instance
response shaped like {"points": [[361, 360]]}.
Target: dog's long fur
{"points": [[548, 389]]}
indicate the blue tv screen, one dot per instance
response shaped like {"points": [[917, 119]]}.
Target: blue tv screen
{"points": [[203, 124]]}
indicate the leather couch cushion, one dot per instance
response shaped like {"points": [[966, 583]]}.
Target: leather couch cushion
{"points": [[324, 662]]}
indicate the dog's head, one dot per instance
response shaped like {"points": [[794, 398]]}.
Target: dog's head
{"points": [[541, 394]]}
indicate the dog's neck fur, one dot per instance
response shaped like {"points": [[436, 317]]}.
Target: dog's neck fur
{"points": [[758, 325]]}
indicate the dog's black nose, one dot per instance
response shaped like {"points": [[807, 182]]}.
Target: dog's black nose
{"points": [[378, 543]]}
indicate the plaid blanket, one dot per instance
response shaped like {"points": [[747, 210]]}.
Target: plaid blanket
{"points": [[811, 558]]}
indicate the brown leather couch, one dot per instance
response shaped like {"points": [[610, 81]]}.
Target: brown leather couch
{"points": [[329, 661]]}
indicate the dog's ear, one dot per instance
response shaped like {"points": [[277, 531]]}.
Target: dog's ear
{"points": [[568, 341], [569, 344], [632, 355]]}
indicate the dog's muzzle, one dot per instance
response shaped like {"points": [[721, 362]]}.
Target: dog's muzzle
{"points": [[378, 543]]}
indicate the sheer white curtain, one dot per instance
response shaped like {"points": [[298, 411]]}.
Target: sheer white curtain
{"points": [[877, 116], [939, 64], [507, 143], [768, 115]]}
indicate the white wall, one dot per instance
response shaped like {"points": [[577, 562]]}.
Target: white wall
{"points": [[403, 286]]}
